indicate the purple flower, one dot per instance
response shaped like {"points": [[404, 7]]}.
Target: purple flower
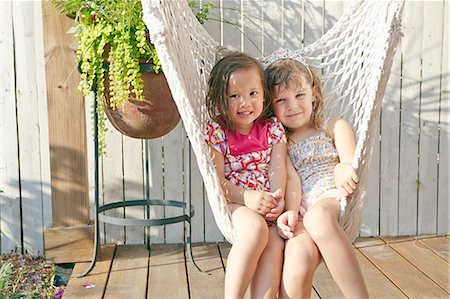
{"points": [[59, 294]]}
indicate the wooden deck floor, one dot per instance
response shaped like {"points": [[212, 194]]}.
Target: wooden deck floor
{"points": [[407, 267]]}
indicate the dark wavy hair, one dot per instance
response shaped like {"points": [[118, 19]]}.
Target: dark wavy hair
{"points": [[216, 98]]}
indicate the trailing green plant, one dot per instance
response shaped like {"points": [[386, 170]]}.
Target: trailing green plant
{"points": [[113, 33]]}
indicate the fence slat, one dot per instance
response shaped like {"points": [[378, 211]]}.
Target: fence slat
{"points": [[252, 15], [409, 125], [133, 174], [112, 183], [272, 26], [43, 117], [156, 186], [10, 221], [31, 152], [313, 15], [429, 115], [388, 173], [443, 219], [174, 179], [292, 33]]}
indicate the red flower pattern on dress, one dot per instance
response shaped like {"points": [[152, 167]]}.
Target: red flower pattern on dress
{"points": [[250, 170]]}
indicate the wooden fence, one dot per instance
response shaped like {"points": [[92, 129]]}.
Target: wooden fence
{"points": [[409, 179]]}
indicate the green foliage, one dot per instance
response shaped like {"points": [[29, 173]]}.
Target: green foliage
{"points": [[5, 277], [112, 41]]}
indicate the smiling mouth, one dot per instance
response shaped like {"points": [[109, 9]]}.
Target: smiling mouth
{"points": [[245, 113], [295, 114]]}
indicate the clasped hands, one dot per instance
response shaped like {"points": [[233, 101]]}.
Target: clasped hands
{"points": [[268, 204]]}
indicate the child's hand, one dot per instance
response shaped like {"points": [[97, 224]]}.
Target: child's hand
{"points": [[345, 178], [259, 201], [286, 224], [278, 209]]}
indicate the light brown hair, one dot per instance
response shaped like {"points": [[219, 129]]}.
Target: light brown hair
{"points": [[282, 72]]}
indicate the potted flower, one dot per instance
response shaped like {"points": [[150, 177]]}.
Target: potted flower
{"points": [[120, 67]]}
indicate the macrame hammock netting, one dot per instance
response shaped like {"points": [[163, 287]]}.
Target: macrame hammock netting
{"points": [[354, 58]]}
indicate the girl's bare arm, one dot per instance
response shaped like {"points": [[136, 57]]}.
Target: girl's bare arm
{"points": [[345, 176]]}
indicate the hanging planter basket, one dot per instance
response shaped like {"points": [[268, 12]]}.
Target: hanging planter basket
{"points": [[153, 117]]}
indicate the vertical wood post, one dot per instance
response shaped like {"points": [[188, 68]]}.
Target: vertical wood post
{"points": [[67, 138]]}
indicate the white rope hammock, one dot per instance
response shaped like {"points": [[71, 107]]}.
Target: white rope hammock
{"points": [[354, 57]]}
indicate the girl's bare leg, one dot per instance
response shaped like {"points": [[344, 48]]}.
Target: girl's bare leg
{"points": [[321, 222], [251, 237], [301, 258], [266, 281]]}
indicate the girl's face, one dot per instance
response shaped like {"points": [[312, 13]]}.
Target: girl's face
{"points": [[245, 98], [293, 105]]}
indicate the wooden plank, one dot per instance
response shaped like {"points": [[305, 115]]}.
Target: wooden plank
{"points": [[167, 272], [113, 188], [370, 225], [378, 285], [194, 194], [426, 261], [42, 111], [133, 172], [207, 257], [272, 27], [292, 31], [433, 15], [389, 145], [29, 131], [403, 274], [69, 244], [313, 24], [231, 12], [439, 245], [155, 186], [93, 285], [174, 180], [367, 241], [394, 239], [193, 189], [70, 202], [443, 217], [314, 294], [128, 277], [252, 27], [409, 124], [10, 221]]}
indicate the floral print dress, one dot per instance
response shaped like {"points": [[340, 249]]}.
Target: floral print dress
{"points": [[314, 159], [247, 157]]}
